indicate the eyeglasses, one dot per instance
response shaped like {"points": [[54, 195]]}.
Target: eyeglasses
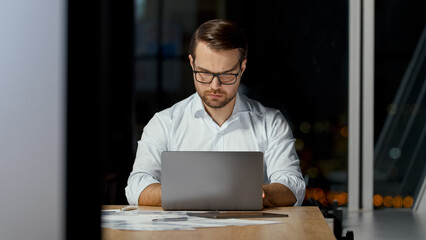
{"points": [[224, 78]]}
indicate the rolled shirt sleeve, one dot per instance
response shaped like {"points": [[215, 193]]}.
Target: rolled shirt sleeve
{"points": [[147, 165], [281, 160]]}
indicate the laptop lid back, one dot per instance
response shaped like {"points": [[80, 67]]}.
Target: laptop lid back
{"points": [[211, 180]]}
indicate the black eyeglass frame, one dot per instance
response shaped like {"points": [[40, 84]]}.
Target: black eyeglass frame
{"points": [[218, 76]]}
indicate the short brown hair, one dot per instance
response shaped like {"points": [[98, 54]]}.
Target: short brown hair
{"points": [[220, 34]]}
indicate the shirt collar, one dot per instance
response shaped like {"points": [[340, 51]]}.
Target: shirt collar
{"points": [[241, 104], [197, 106]]}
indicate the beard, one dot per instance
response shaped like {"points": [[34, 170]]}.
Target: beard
{"points": [[216, 103]]}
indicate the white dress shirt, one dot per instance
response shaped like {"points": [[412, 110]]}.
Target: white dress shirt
{"points": [[186, 126]]}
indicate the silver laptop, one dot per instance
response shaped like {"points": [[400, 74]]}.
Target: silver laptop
{"points": [[211, 180]]}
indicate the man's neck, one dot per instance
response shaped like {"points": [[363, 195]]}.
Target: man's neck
{"points": [[220, 115]]}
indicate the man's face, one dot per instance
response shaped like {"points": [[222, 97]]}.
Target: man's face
{"points": [[216, 95]]}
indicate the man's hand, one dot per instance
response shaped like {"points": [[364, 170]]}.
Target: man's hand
{"points": [[151, 195], [277, 195]]}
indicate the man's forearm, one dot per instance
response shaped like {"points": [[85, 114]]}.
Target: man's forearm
{"points": [[151, 195], [278, 195]]}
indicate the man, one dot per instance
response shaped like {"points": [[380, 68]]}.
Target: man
{"points": [[218, 118]]}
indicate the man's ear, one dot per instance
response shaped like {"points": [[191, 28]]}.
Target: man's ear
{"points": [[191, 60], [243, 66]]}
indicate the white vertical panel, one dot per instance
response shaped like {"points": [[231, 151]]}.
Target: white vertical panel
{"points": [[32, 107], [420, 204], [368, 105], [354, 103]]}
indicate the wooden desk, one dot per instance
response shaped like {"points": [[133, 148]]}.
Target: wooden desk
{"points": [[301, 223]]}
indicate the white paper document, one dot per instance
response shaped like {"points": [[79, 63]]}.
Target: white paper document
{"points": [[166, 220]]}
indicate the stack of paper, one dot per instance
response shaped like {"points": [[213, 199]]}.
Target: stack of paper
{"points": [[166, 220]]}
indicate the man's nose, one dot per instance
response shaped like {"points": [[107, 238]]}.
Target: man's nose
{"points": [[215, 84]]}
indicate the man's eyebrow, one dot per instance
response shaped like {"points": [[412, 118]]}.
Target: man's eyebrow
{"points": [[205, 70]]}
